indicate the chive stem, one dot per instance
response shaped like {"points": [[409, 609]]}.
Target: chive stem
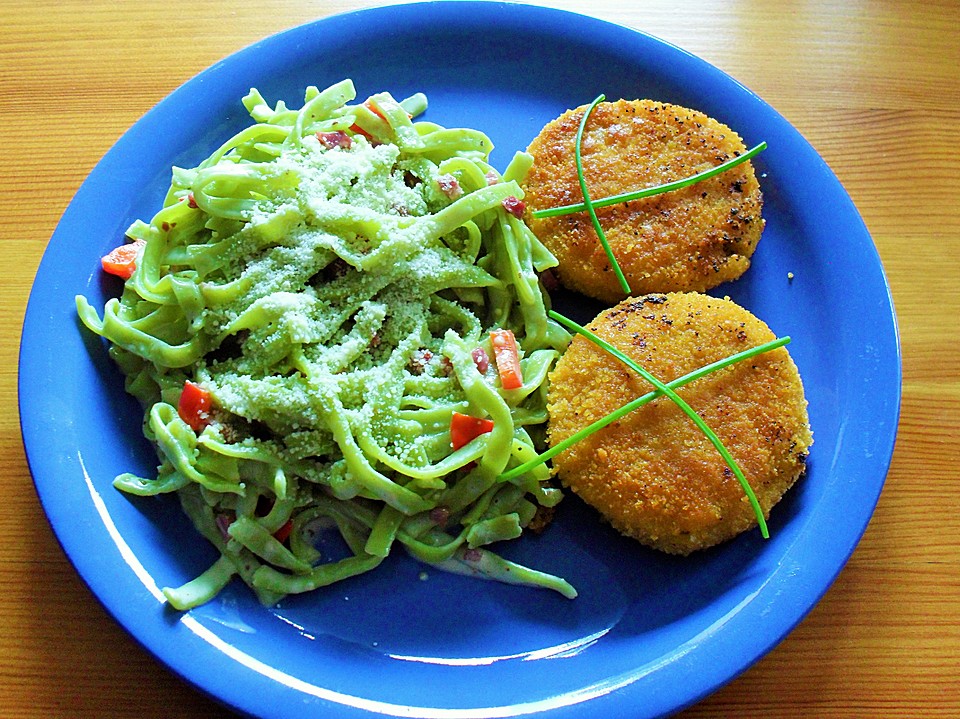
{"points": [[655, 190], [616, 414], [661, 390], [588, 203], [682, 404]]}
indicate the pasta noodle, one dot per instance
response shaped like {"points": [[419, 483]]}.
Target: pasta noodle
{"points": [[330, 275]]}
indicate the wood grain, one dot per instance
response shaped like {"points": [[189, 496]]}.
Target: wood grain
{"points": [[873, 85]]}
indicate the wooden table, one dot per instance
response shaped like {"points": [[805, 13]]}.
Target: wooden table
{"points": [[873, 85]]}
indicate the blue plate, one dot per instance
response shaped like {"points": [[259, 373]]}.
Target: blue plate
{"points": [[649, 634]]}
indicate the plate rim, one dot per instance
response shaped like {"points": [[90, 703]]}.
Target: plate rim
{"points": [[354, 15]]}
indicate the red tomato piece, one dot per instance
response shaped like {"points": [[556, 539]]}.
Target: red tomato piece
{"points": [[122, 261], [507, 356], [283, 533], [195, 405], [464, 429]]}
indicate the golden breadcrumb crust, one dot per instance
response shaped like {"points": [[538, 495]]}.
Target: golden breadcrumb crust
{"points": [[687, 240], [653, 474]]}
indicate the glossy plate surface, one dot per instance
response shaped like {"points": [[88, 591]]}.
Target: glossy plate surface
{"points": [[649, 634]]}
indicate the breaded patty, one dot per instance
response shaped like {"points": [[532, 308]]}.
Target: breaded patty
{"points": [[686, 240], [653, 474]]}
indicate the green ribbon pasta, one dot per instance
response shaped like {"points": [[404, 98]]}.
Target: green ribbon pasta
{"points": [[329, 277]]}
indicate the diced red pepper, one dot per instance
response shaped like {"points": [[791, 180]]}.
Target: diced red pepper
{"points": [[283, 533], [372, 108], [514, 206], [507, 356], [195, 405], [122, 261], [464, 429], [355, 128]]}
